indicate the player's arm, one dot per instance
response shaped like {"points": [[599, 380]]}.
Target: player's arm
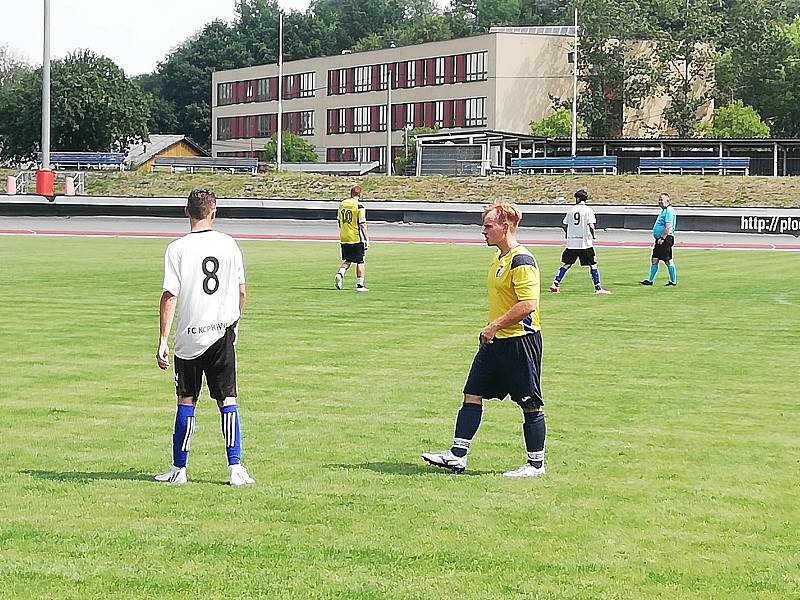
{"points": [[592, 231], [166, 312], [242, 297], [362, 228], [514, 315]]}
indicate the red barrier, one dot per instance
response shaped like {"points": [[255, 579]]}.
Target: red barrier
{"points": [[45, 183]]}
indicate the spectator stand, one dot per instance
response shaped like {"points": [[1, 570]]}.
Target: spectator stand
{"points": [[191, 164], [721, 165], [602, 165]]}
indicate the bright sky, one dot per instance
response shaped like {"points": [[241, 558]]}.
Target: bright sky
{"points": [[136, 35]]}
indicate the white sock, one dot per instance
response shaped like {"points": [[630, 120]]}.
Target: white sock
{"points": [[342, 271], [360, 281]]}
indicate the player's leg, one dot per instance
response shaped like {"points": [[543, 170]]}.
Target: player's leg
{"points": [[221, 377], [468, 419], [524, 372], [671, 268], [653, 268], [590, 259], [339, 277], [188, 377], [568, 257], [360, 268]]}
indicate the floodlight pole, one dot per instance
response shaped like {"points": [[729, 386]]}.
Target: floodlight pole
{"points": [[279, 155], [575, 87], [46, 90]]}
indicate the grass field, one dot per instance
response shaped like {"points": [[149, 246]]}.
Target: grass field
{"points": [[672, 450]]}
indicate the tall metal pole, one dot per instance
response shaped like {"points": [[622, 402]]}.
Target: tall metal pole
{"points": [[575, 88], [46, 90], [389, 120], [279, 157]]}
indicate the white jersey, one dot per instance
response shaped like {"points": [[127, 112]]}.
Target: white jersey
{"points": [[579, 220], [204, 270]]}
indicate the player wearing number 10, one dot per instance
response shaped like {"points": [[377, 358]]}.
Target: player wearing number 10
{"points": [[352, 219], [204, 280]]}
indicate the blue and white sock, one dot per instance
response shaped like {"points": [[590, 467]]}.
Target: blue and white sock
{"points": [[534, 430], [561, 272], [182, 437], [595, 277], [467, 423], [232, 434], [653, 272]]}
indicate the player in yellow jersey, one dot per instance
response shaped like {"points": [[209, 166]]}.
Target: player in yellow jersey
{"points": [[352, 218], [509, 360]]}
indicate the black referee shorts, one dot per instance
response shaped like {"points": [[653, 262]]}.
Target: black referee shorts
{"points": [[218, 363], [663, 251], [508, 367]]}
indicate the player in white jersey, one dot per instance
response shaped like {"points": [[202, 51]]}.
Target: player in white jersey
{"points": [[203, 279], [579, 225]]}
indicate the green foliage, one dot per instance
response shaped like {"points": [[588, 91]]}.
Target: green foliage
{"points": [[93, 108], [294, 149], [736, 120], [557, 125], [410, 155], [12, 67]]}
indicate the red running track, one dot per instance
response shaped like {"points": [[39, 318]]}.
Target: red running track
{"points": [[391, 239]]}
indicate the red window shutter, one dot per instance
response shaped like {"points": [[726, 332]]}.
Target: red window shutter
{"points": [[294, 123], [374, 153], [374, 118], [429, 116], [331, 155], [448, 113], [461, 68], [296, 86], [400, 74], [460, 113], [399, 117], [332, 113], [348, 120], [333, 82], [376, 78], [273, 88], [419, 72], [349, 84], [348, 154], [273, 124], [430, 71], [449, 70]]}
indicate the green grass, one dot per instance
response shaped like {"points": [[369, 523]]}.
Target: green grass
{"points": [[672, 447]]}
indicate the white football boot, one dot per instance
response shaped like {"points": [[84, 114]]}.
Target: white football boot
{"points": [[446, 460], [174, 475], [337, 281], [526, 471], [238, 476]]}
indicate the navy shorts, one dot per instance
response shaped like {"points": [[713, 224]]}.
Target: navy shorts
{"points": [[508, 367], [218, 363], [586, 256], [353, 253], [663, 251]]}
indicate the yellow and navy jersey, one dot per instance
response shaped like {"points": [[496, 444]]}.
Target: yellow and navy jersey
{"points": [[351, 213], [513, 278]]}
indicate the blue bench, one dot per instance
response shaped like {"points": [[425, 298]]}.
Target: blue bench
{"points": [[206, 163], [720, 165], [76, 160], [566, 164]]}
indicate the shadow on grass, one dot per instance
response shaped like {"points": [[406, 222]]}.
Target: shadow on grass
{"points": [[406, 469], [86, 477]]}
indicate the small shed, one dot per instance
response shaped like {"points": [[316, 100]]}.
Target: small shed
{"points": [[140, 157]]}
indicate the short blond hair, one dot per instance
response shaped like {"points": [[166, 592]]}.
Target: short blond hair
{"points": [[505, 212]]}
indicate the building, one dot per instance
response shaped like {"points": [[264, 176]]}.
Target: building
{"points": [[140, 157], [500, 81]]}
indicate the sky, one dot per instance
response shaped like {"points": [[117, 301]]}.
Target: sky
{"points": [[134, 34]]}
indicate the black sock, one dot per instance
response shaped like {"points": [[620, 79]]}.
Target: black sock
{"points": [[467, 422], [535, 431]]}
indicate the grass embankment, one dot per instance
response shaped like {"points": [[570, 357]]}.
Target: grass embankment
{"points": [[687, 190], [672, 424]]}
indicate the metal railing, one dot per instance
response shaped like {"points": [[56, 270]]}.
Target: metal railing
{"points": [[26, 181]]}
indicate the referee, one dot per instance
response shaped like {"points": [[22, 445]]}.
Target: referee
{"points": [[664, 235]]}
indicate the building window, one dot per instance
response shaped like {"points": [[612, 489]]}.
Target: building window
{"points": [[362, 155], [438, 118], [342, 89], [263, 90], [476, 112], [262, 126], [307, 85], [411, 77], [248, 91], [306, 123], [362, 79], [224, 93], [382, 117], [439, 71], [476, 66], [224, 128], [384, 80], [410, 115], [361, 119], [342, 121]]}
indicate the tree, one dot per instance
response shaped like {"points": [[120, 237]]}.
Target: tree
{"points": [[12, 67], [410, 154], [735, 120], [94, 107], [294, 149], [557, 125]]}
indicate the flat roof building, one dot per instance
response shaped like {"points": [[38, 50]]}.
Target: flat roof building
{"points": [[501, 80]]}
